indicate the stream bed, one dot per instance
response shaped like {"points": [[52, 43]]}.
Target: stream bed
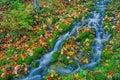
{"points": [[93, 20]]}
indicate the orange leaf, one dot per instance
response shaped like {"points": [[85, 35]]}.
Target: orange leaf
{"points": [[69, 53], [0, 55], [23, 56], [118, 27], [8, 72], [86, 46], [111, 72], [68, 46]]}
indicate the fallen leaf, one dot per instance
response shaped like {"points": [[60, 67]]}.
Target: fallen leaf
{"points": [[71, 53], [22, 56], [3, 75], [112, 72], [68, 46], [118, 27], [15, 56], [8, 72]]}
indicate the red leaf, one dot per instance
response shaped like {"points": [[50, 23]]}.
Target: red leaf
{"points": [[118, 27], [49, 78], [8, 72], [15, 56]]}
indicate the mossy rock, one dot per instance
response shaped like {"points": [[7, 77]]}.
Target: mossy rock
{"points": [[58, 65]]}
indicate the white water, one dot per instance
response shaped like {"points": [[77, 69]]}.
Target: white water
{"points": [[93, 21]]}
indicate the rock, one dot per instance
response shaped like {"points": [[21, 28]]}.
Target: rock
{"points": [[1, 13], [58, 65]]}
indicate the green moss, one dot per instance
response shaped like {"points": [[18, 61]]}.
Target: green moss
{"points": [[35, 64], [30, 42], [52, 18], [83, 35], [4, 62], [108, 26], [38, 52], [68, 77], [2, 35], [64, 27], [55, 57], [91, 36], [63, 58], [81, 16], [116, 76], [33, 33], [82, 73], [10, 51], [40, 32], [100, 77], [106, 55], [28, 59], [20, 51], [19, 61], [36, 56], [19, 19], [51, 42], [109, 13], [37, 39], [56, 33]]}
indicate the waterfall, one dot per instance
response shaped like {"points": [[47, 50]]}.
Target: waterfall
{"points": [[94, 21]]}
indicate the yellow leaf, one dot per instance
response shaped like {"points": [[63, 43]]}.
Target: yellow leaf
{"points": [[76, 75], [22, 56], [70, 61], [86, 60]]}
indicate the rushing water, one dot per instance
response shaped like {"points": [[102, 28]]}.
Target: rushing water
{"points": [[94, 20]]}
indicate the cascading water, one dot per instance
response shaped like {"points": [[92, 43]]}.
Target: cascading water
{"points": [[36, 6], [93, 21]]}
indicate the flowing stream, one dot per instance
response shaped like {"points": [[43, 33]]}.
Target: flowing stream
{"points": [[94, 21]]}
